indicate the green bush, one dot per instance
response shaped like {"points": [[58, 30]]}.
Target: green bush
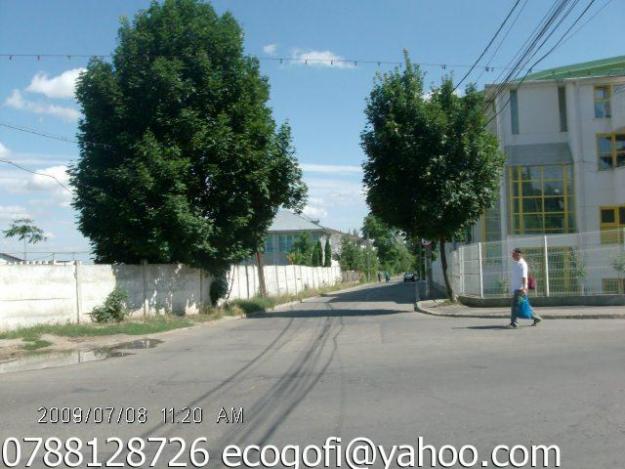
{"points": [[115, 307], [218, 289]]}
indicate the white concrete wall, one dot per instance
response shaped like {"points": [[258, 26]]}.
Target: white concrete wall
{"points": [[59, 294], [539, 115], [280, 279], [37, 294]]}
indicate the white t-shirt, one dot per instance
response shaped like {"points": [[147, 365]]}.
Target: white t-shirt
{"points": [[519, 271]]}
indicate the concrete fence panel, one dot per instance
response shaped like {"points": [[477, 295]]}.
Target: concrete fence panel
{"points": [[37, 294], [68, 293]]}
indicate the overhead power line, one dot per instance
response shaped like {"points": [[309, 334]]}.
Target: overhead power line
{"points": [[490, 43], [502, 41], [543, 57], [282, 60], [48, 135], [38, 132], [12, 163], [530, 45]]}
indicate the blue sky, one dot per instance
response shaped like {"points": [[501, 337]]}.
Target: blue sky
{"points": [[324, 103]]}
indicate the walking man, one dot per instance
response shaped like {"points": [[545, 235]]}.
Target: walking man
{"points": [[520, 275]]}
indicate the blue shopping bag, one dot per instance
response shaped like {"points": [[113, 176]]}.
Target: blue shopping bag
{"points": [[524, 309]]}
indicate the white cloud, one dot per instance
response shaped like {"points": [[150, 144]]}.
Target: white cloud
{"points": [[317, 58], [17, 101], [39, 182], [18, 182], [335, 192], [36, 159], [270, 49], [4, 151], [61, 86], [331, 168], [44, 180], [315, 212], [11, 212]]}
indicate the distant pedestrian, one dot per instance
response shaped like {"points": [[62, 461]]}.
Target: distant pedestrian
{"points": [[519, 285], [387, 276], [379, 277]]}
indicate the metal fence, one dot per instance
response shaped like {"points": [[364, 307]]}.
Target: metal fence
{"points": [[590, 263], [45, 257]]}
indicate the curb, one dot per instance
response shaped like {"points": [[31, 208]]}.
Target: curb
{"points": [[358, 287], [283, 305], [422, 309]]}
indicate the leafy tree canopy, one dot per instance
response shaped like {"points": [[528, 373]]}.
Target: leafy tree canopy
{"points": [[301, 252], [327, 254], [432, 167], [181, 160], [25, 230], [392, 250]]}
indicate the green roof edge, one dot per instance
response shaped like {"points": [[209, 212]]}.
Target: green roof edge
{"points": [[613, 66]]}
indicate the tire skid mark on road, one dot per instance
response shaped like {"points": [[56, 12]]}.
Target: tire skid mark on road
{"points": [[271, 410], [340, 421], [276, 344]]}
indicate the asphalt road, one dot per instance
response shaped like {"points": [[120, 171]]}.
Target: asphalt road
{"points": [[357, 364]]}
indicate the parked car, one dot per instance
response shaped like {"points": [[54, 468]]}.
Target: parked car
{"points": [[410, 277]]}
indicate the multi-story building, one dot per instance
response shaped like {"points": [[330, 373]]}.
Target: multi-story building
{"points": [[563, 133], [286, 228]]}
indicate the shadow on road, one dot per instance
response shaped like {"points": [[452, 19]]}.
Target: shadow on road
{"points": [[400, 293], [489, 327], [324, 313], [383, 300]]}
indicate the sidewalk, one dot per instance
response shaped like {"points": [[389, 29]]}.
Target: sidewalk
{"points": [[445, 309]]}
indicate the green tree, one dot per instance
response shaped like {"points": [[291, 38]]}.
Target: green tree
{"points": [[619, 265], [392, 251], [301, 252], [317, 256], [180, 158], [26, 231], [327, 253], [369, 263], [351, 257], [432, 167]]}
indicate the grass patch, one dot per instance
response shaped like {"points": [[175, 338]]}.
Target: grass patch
{"points": [[256, 304], [36, 344], [147, 326]]}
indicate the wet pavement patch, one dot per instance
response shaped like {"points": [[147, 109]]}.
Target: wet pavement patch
{"points": [[42, 360], [137, 344]]}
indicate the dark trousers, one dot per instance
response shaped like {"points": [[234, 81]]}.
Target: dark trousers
{"points": [[515, 305]]}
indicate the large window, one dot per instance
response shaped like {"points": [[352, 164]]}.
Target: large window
{"points": [[611, 150], [612, 224], [602, 101], [541, 199], [285, 242]]}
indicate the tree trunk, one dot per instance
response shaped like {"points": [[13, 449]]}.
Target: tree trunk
{"points": [[261, 276], [444, 265]]}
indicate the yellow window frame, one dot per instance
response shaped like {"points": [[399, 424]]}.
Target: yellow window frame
{"points": [[614, 153], [612, 232], [603, 101], [515, 177]]}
